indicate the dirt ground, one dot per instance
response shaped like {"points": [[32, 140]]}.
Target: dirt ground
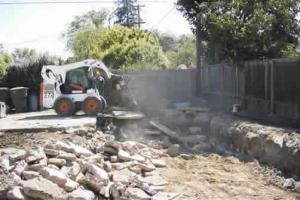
{"points": [[217, 177], [205, 176]]}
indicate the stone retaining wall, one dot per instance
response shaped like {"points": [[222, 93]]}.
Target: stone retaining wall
{"points": [[276, 146], [279, 147]]}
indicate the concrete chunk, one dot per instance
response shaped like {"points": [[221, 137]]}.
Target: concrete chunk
{"points": [[70, 185], [62, 146], [159, 163], [94, 159], [15, 194], [98, 173], [14, 154], [53, 166], [72, 170], [93, 182], [124, 176], [80, 151], [53, 175], [20, 167], [41, 188], [67, 156], [137, 194], [138, 158], [148, 167], [36, 167], [124, 155], [51, 152], [29, 174], [80, 178], [19, 154], [4, 163], [57, 161], [35, 155], [81, 194]]}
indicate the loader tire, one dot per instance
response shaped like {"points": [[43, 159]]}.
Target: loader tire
{"points": [[92, 106], [64, 106]]}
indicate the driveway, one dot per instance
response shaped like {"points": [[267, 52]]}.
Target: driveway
{"points": [[47, 119]]}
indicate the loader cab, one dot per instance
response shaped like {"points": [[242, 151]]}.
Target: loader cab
{"points": [[79, 80]]}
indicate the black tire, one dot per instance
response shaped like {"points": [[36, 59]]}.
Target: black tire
{"points": [[92, 106], [64, 106]]}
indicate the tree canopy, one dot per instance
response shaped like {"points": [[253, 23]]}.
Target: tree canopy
{"points": [[242, 29], [93, 19], [179, 50], [119, 47], [21, 55], [5, 61], [127, 13]]}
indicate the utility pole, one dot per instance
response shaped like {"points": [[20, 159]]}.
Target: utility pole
{"points": [[127, 13], [140, 21]]}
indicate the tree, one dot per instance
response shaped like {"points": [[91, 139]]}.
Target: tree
{"points": [[185, 52], [179, 50], [127, 13], [167, 41], [242, 30], [93, 19], [119, 47], [5, 61], [21, 55]]}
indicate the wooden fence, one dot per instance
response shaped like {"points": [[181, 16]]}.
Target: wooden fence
{"points": [[269, 87]]}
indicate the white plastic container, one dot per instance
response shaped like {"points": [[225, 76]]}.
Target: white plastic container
{"points": [[2, 110]]}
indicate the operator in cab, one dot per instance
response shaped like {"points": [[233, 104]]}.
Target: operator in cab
{"points": [[98, 81]]}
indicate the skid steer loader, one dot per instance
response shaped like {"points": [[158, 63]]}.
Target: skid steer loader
{"points": [[69, 88]]}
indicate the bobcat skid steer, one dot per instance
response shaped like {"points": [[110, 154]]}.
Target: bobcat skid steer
{"points": [[68, 88]]}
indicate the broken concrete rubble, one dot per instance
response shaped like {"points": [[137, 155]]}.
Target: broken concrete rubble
{"points": [[63, 170]]}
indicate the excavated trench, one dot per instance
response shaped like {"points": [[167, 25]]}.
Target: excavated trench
{"points": [[274, 146]]}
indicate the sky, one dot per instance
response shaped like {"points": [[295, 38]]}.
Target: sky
{"points": [[40, 26]]}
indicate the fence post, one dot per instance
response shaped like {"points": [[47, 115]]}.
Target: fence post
{"points": [[266, 65], [199, 80], [236, 83], [272, 88]]}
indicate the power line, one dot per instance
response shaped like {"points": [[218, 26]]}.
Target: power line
{"points": [[75, 2], [164, 17]]}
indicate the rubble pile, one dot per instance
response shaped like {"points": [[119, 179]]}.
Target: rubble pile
{"points": [[64, 170]]}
